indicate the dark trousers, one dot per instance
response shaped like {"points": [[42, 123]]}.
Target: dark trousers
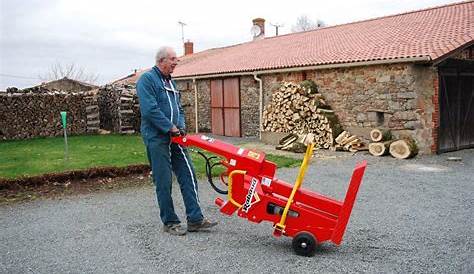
{"points": [[164, 158]]}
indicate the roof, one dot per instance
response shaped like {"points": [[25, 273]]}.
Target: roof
{"points": [[65, 79], [129, 79], [432, 33]]}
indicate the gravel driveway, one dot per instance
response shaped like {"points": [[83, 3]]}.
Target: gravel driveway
{"points": [[410, 216]]}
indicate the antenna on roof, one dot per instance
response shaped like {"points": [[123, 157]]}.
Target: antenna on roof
{"points": [[276, 25], [182, 30]]}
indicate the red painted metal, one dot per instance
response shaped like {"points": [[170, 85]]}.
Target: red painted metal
{"points": [[323, 217]]}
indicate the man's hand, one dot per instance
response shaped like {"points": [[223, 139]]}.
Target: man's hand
{"points": [[182, 131], [174, 132]]}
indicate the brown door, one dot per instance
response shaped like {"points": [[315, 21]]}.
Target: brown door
{"points": [[225, 107], [217, 107], [456, 105], [232, 107]]}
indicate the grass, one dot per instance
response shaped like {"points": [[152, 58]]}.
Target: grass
{"points": [[46, 155]]}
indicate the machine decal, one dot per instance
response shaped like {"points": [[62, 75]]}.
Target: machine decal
{"points": [[240, 151], [250, 195], [266, 181], [207, 138], [253, 155], [232, 162]]}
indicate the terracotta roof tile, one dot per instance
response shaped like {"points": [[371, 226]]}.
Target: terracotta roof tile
{"points": [[432, 33]]}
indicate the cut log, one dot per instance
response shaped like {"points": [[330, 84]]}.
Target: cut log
{"points": [[380, 135], [379, 148], [348, 139], [403, 149], [342, 136]]}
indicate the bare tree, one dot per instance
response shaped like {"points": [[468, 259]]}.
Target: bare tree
{"points": [[303, 23], [71, 71]]}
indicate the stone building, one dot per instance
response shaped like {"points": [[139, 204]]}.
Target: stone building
{"points": [[412, 73]]}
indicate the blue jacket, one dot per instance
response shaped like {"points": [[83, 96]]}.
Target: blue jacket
{"points": [[160, 105]]}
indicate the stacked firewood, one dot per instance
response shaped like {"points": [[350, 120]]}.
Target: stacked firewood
{"points": [[300, 109], [29, 114], [348, 142], [383, 144]]}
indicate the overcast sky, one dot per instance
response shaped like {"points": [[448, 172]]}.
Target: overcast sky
{"points": [[113, 37]]}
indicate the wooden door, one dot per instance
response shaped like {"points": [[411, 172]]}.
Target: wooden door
{"points": [[456, 105], [217, 107], [225, 107], [232, 107]]}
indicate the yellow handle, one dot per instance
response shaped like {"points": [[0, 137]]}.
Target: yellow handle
{"points": [[299, 180], [229, 185]]}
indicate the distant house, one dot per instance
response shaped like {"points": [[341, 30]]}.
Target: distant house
{"points": [[412, 73], [66, 84]]}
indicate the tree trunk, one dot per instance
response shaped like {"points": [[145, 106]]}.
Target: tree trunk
{"points": [[403, 149], [379, 148], [380, 135]]}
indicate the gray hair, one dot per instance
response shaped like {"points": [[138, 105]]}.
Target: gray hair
{"points": [[162, 53]]}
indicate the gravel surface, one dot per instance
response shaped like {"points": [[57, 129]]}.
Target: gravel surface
{"points": [[410, 216]]}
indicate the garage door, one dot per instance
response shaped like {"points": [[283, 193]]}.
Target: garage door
{"points": [[456, 103]]}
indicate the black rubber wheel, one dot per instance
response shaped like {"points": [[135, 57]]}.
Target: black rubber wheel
{"points": [[304, 244]]}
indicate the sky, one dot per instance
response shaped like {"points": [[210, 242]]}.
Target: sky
{"points": [[111, 38]]}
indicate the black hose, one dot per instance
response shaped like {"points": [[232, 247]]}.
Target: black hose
{"points": [[209, 167]]}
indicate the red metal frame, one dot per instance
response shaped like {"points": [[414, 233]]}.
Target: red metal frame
{"points": [[324, 217]]}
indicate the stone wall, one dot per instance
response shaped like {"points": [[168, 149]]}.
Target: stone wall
{"points": [[249, 106], [204, 104], [395, 96], [28, 115], [388, 96], [187, 102]]}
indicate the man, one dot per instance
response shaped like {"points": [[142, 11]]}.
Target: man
{"points": [[162, 117]]}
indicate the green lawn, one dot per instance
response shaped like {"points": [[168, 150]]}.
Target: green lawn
{"points": [[46, 155]]}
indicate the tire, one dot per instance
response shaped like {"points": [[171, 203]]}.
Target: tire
{"points": [[304, 244]]}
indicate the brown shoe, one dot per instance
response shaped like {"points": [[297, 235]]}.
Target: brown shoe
{"points": [[174, 229], [202, 225]]}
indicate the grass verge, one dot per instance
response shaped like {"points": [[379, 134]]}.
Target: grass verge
{"points": [[33, 157]]}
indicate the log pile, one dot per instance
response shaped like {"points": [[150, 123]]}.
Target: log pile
{"points": [[383, 144], [92, 113], [36, 112], [348, 142], [381, 141], [119, 109], [300, 109], [126, 113]]}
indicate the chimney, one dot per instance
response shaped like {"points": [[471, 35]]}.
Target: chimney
{"points": [[188, 48], [258, 28]]}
